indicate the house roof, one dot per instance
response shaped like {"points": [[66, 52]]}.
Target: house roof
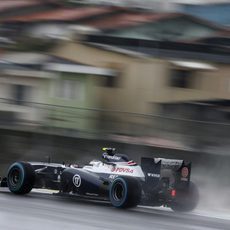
{"points": [[131, 19], [24, 62], [156, 26], [193, 65], [115, 17], [215, 40], [162, 49], [61, 14], [126, 19], [200, 2], [125, 22], [216, 102], [78, 68], [33, 59], [24, 58], [11, 4], [169, 26]]}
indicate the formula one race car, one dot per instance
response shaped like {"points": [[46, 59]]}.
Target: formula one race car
{"points": [[116, 178]]}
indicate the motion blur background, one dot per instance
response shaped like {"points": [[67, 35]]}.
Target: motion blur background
{"points": [[150, 77]]}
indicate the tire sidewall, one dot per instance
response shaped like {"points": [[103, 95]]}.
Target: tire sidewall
{"points": [[18, 186], [26, 178], [118, 203], [187, 200]]}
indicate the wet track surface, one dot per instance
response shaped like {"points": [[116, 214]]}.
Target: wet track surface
{"points": [[48, 212]]}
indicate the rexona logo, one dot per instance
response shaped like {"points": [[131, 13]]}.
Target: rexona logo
{"points": [[77, 180], [122, 170]]}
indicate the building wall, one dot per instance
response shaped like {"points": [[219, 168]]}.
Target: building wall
{"points": [[204, 85], [71, 95], [120, 96], [145, 81], [33, 93]]}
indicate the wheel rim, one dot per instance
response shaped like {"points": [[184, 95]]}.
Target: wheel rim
{"points": [[118, 193], [15, 177]]}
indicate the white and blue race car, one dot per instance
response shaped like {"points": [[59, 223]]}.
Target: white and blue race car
{"points": [[116, 178]]}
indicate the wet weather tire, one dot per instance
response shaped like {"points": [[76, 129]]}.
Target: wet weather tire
{"points": [[125, 192], [186, 200], [20, 178]]}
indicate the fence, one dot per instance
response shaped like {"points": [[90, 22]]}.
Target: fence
{"points": [[191, 133]]}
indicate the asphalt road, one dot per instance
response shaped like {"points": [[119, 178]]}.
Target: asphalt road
{"points": [[47, 212]]}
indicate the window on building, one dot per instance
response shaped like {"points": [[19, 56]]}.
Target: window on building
{"points": [[20, 93], [114, 81], [111, 81], [181, 78], [70, 89]]}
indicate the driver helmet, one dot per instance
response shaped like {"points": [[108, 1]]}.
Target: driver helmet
{"points": [[109, 151]]}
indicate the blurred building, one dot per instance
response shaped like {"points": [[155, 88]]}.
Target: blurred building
{"points": [[153, 73], [178, 87], [39, 89], [213, 10], [50, 20], [122, 70], [158, 26]]}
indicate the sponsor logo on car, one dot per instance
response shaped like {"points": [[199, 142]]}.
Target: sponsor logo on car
{"points": [[77, 180], [112, 176], [112, 157], [153, 175], [184, 172], [122, 170]]}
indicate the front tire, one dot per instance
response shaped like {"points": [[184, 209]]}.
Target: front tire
{"points": [[20, 178], [186, 200], [125, 192]]}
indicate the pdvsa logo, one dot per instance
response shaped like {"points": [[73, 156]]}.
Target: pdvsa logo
{"points": [[122, 170], [77, 180]]}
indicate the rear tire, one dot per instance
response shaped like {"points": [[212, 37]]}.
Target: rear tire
{"points": [[125, 192], [20, 178], [186, 200]]}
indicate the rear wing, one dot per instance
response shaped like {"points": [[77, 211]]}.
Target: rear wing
{"points": [[155, 168]]}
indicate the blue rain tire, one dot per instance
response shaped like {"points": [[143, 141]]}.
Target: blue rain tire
{"points": [[20, 178], [186, 200], [125, 192]]}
